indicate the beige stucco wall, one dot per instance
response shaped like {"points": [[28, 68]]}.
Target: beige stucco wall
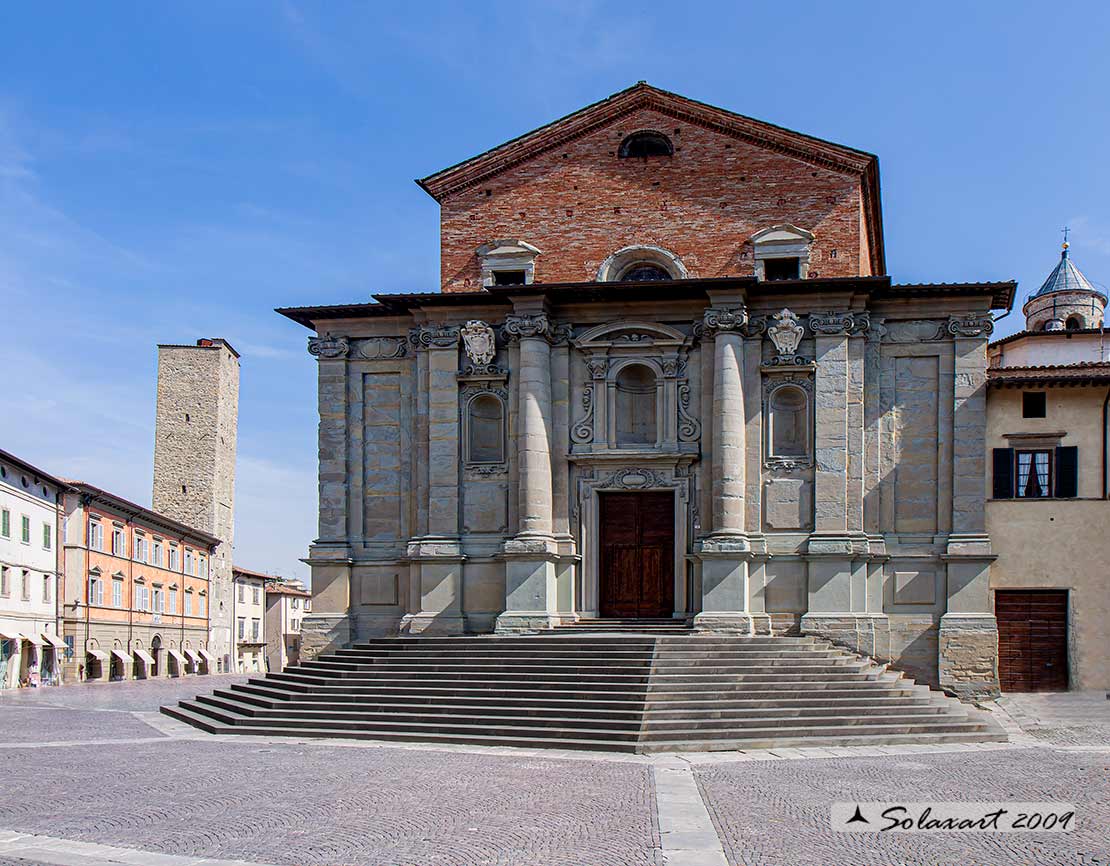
{"points": [[1058, 544]]}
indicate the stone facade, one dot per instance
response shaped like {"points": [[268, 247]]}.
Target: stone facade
{"points": [[822, 436], [194, 460]]}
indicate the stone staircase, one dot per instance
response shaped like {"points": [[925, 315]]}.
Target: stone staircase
{"points": [[577, 689]]}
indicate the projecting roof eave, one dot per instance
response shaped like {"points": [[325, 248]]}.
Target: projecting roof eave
{"points": [[1061, 375], [33, 470], [878, 288], [1021, 335], [807, 148], [147, 515]]}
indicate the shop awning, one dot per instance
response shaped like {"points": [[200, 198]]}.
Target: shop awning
{"points": [[33, 638], [145, 656], [122, 656], [180, 658], [10, 635], [99, 655], [208, 655], [54, 640], [192, 656]]}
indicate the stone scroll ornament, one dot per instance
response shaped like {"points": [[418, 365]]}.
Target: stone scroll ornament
{"points": [[970, 326], [478, 342], [786, 333], [583, 431], [445, 337], [329, 347], [835, 324]]}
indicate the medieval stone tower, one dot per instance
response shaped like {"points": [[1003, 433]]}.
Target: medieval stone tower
{"points": [[195, 436]]}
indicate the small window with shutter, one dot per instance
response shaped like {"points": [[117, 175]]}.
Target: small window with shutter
{"points": [[1036, 473]]}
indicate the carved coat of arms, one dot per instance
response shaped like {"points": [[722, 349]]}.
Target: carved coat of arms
{"points": [[786, 333], [478, 342]]}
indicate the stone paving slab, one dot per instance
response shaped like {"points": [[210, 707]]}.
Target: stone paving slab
{"points": [[778, 813]]}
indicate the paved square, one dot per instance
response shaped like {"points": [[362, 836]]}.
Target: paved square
{"points": [[98, 777]]}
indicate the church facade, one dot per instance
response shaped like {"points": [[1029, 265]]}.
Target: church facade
{"points": [[666, 376]]}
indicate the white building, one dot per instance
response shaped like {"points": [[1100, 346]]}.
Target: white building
{"points": [[31, 651], [286, 604], [249, 619]]}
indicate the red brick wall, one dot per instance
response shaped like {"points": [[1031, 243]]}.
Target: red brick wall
{"points": [[579, 203]]}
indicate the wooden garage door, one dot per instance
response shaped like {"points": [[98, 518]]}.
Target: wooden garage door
{"points": [[1032, 639]]}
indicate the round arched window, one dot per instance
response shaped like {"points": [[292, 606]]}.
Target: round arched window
{"points": [[644, 144], [644, 272], [1074, 323]]}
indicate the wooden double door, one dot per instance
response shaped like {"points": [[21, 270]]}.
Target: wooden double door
{"points": [[1032, 639], [636, 576]]}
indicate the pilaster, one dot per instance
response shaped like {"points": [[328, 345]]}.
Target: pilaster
{"points": [[968, 638], [435, 559], [330, 555]]}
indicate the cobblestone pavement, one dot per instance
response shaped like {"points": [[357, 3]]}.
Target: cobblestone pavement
{"points": [[1062, 718], [315, 804], [130, 696], [778, 813], [168, 789]]}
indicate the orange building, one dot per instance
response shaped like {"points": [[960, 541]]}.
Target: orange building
{"points": [[136, 598]]}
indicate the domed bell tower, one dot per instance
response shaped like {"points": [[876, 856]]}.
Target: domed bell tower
{"points": [[1066, 301]]}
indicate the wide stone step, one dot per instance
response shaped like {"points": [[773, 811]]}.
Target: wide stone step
{"points": [[624, 692], [214, 726], [608, 721], [485, 726], [738, 727], [603, 714], [824, 739]]}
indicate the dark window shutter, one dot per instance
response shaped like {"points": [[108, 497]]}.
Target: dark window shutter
{"points": [[1067, 472], [1003, 473]]}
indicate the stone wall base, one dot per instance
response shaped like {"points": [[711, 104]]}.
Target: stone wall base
{"points": [[727, 622], [324, 632], [432, 623], [864, 633], [524, 622], [968, 655]]}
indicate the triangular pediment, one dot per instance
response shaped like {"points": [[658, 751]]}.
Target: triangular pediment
{"points": [[643, 96]]}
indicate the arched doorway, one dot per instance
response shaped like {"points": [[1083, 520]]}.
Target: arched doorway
{"points": [[156, 653]]}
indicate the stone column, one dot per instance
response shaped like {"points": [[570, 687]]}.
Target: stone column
{"points": [[436, 558], [724, 554], [968, 639], [531, 595], [328, 626]]}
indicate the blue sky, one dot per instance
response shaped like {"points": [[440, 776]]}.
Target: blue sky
{"points": [[176, 170]]}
